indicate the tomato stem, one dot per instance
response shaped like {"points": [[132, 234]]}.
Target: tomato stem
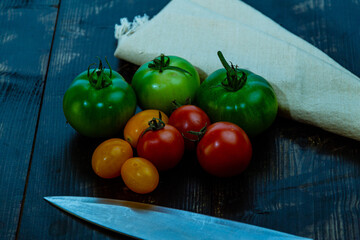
{"points": [[235, 78], [199, 134], [176, 104], [110, 75], [89, 69], [164, 64], [98, 78], [155, 124]]}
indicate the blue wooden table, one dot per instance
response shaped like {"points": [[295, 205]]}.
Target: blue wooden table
{"points": [[302, 180]]}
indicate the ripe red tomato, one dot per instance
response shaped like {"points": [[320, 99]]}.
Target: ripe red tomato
{"points": [[224, 150], [189, 118], [164, 147]]}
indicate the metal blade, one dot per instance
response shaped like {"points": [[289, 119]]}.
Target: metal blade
{"points": [[148, 221]]}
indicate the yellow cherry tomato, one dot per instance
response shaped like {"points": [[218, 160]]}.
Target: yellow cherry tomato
{"points": [[139, 122], [109, 157], [140, 175]]}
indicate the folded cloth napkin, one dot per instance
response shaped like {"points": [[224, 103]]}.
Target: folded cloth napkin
{"points": [[311, 87]]}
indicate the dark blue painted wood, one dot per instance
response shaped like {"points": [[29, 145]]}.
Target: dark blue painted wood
{"points": [[301, 180], [26, 31]]}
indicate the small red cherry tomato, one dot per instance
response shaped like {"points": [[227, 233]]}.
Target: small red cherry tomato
{"points": [[224, 150], [163, 145], [189, 118]]}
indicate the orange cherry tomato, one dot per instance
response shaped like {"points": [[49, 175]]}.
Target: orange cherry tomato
{"points": [[109, 157], [139, 122], [140, 175]]}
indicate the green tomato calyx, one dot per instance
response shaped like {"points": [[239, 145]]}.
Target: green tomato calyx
{"points": [[199, 134], [155, 124], [98, 78], [176, 104], [235, 78], [164, 64]]}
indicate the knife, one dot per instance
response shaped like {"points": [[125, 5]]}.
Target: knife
{"points": [[146, 221]]}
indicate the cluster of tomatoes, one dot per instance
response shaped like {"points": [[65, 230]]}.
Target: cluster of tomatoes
{"points": [[230, 105], [223, 149]]}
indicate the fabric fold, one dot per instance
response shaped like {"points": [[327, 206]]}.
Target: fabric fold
{"points": [[311, 87]]}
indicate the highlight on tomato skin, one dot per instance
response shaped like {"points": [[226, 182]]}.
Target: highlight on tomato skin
{"points": [[140, 175], [109, 157], [225, 150]]}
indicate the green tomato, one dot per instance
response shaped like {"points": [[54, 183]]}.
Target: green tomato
{"points": [[161, 81], [99, 102], [238, 96]]}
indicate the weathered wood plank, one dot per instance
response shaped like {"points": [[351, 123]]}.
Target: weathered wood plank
{"points": [[61, 162], [25, 40], [302, 180], [311, 186]]}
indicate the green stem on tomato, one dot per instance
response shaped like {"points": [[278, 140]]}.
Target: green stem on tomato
{"points": [[160, 116], [199, 134], [154, 125], [164, 64], [177, 105], [235, 78], [110, 75], [98, 78]]}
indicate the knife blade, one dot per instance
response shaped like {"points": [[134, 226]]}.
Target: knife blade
{"points": [[146, 221]]}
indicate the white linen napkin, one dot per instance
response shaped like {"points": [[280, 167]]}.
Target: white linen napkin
{"points": [[311, 87]]}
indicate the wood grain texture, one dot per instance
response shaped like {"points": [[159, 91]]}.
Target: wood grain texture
{"points": [[302, 180], [61, 163], [25, 41], [321, 193]]}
